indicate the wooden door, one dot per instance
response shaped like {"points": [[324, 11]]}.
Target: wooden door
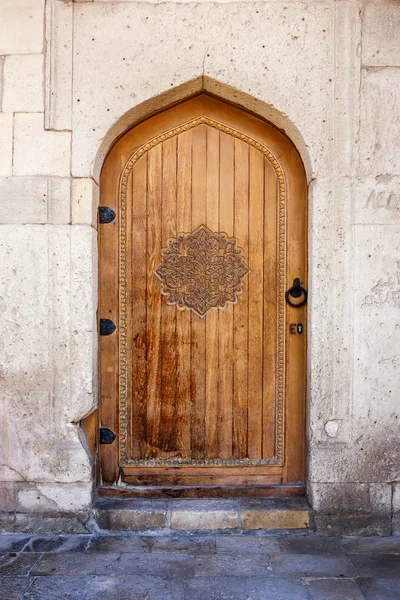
{"points": [[203, 380]]}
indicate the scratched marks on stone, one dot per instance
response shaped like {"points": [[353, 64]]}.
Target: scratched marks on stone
{"points": [[386, 291]]}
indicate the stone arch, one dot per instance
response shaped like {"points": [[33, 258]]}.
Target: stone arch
{"points": [[203, 84]]}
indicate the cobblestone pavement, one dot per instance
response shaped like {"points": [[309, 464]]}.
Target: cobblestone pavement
{"points": [[198, 567]]}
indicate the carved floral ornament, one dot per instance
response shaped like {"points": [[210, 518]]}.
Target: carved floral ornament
{"points": [[202, 270]]}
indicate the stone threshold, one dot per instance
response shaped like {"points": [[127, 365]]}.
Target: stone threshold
{"points": [[201, 515]]}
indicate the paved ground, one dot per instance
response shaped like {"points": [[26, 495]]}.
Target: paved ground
{"points": [[198, 567]]}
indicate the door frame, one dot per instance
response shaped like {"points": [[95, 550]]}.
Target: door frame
{"points": [[296, 186]]}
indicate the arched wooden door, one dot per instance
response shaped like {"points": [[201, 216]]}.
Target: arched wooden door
{"points": [[203, 379]]}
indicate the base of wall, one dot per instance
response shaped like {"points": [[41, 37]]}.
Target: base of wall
{"points": [[242, 515], [46, 523], [228, 516], [359, 524], [202, 515]]}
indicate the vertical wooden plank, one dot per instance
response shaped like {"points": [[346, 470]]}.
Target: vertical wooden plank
{"points": [[296, 266], [154, 224], [138, 314], [183, 317], [168, 313], [270, 310], [241, 309], [256, 284], [198, 381], [109, 308], [212, 364], [129, 312], [225, 318]]}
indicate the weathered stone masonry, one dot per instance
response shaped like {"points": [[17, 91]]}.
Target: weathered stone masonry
{"points": [[74, 76]]}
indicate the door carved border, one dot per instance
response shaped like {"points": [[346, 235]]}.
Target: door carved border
{"points": [[123, 304]]}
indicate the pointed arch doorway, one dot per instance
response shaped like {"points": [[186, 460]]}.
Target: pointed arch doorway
{"points": [[202, 381]]}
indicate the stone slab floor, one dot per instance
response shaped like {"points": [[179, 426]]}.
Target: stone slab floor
{"points": [[198, 567]]}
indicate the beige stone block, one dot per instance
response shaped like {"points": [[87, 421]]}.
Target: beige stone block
{"points": [[23, 199], [69, 460], [377, 340], [353, 525], [59, 200], [34, 200], [21, 26], [59, 283], [347, 86], [7, 521], [6, 143], [191, 520], [1, 78], [344, 498], [83, 322], [39, 152], [36, 366], [52, 525], [381, 498], [199, 515], [329, 323], [85, 200], [23, 83], [396, 498], [132, 519], [381, 34], [380, 123], [256, 60], [395, 529], [9, 474], [7, 496], [370, 452], [59, 17], [269, 518], [377, 200], [53, 497], [26, 378]]}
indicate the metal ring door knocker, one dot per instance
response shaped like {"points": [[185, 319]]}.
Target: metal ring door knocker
{"points": [[296, 291]]}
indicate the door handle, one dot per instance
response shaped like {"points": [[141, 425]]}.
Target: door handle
{"points": [[296, 291]]}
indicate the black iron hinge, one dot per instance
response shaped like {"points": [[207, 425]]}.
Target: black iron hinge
{"points": [[106, 435], [107, 327], [106, 214]]}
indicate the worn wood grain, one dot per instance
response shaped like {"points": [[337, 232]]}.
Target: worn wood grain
{"points": [[225, 354], [204, 387], [153, 331], [241, 309], [256, 303], [183, 410], [198, 371], [137, 265], [212, 318], [269, 369], [168, 313]]}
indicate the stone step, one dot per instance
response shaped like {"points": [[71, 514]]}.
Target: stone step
{"points": [[207, 491], [200, 515]]}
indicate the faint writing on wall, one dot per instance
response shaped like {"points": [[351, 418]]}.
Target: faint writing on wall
{"points": [[384, 199], [386, 291]]}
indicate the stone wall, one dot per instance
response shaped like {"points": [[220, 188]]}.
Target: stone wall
{"points": [[73, 77]]}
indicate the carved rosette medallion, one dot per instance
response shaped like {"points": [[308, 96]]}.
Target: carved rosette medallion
{"points": [[202, 270]]}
